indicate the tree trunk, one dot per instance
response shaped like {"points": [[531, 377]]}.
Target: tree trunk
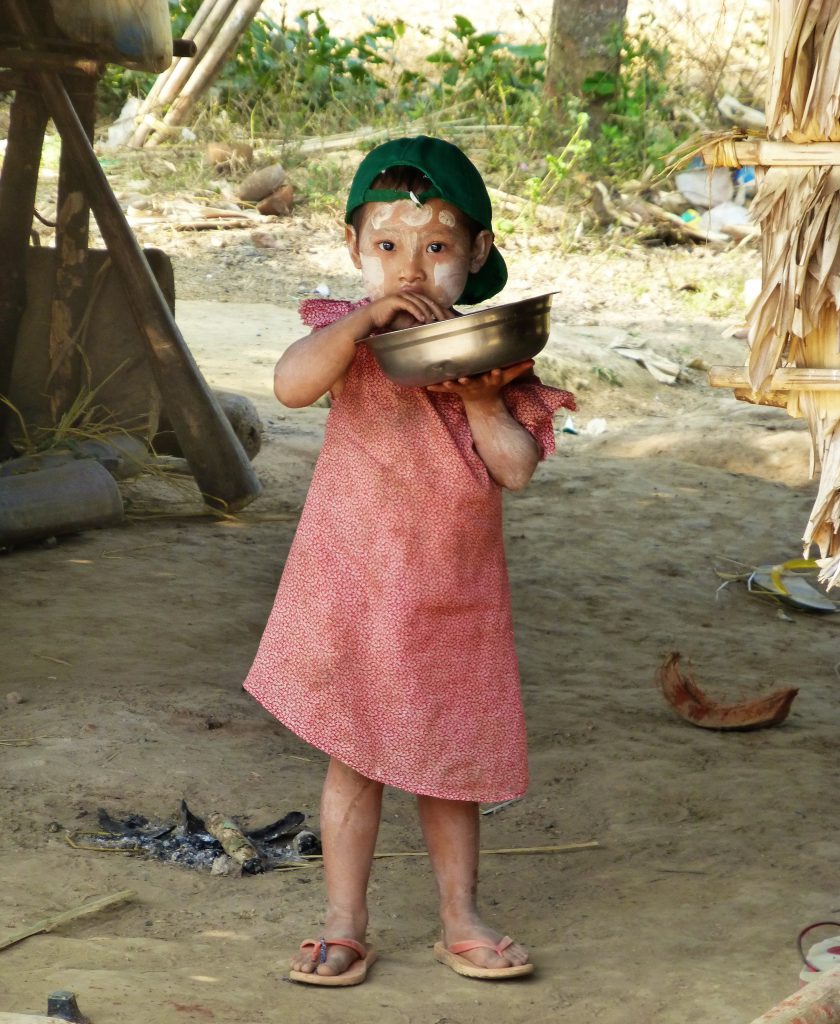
{"points": [[582, 44]]}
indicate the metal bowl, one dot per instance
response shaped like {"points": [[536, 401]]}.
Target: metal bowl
{"points": [[467, 345]]}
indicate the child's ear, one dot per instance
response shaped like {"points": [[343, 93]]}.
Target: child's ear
{"points": [[480, 250], [352, 242]]}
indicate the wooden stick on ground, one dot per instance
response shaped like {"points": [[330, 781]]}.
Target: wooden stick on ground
{"points": [[56, 920], [565, 848]]}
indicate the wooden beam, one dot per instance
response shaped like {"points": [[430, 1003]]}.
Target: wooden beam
{"points": [[64, 63], [70, 297], [11, 81], [18, 184]]}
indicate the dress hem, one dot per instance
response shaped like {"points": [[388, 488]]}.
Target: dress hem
{"points": [[356, 766]]}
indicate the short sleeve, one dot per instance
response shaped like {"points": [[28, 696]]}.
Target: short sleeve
{"points": [[533, 404], [317, 313]]}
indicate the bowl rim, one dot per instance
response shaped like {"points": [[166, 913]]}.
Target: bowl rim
{"points": [[492, 314]]}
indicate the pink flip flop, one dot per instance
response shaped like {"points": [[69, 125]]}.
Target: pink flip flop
{"points": [[451, 957], [355, 973]]}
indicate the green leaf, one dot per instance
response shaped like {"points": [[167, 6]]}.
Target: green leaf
{"points": [[464, 26], [602, 83]]}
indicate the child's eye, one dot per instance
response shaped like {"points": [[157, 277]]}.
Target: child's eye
{"points": [[386, 246], [436, 247]]}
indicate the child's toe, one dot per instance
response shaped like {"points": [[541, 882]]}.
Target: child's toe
{"points": [[303, 965], [337, 962], [517, 955]]}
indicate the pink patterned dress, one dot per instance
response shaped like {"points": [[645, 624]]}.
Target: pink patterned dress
{"points": [[390, 644]]}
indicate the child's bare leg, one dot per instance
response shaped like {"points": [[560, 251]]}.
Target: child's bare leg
{"points": [[351, 806], [451, 830]]}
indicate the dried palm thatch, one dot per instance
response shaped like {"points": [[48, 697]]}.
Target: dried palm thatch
{"points": [[795, 321], [803, 103]]}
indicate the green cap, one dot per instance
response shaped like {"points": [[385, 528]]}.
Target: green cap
{"points": [[454, 178]]}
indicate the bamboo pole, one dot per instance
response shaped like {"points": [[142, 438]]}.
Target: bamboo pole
{"points": [[221, 468], [786, 378], [208, 66], [201, 31], [49, 924], [767, 153]]}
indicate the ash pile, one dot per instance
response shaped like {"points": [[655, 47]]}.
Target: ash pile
{"points": [[216, 843]]}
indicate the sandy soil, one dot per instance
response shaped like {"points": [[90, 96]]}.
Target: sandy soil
{"points": [[124, 652]]}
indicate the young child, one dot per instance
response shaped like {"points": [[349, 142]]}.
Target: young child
{"points": [[390, 644]]}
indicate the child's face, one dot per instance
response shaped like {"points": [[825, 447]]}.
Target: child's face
{"points": [[404, 247]]}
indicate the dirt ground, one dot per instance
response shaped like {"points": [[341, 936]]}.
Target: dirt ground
{"points": [[124, 651]]}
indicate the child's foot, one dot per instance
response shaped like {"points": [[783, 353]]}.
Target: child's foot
{"points": [[513, 955], [336, 959], [469, 945]]}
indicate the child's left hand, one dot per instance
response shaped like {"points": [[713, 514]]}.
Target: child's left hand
{"points": [[484, 386]]}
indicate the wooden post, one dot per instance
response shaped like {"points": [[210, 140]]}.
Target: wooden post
{"points": [[18, 184], [71, 241], [217, 460]]}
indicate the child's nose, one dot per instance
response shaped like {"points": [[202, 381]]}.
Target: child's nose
{"points": [[412, 268]]}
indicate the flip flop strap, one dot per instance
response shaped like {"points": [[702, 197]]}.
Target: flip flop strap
{"points": [[319, 947], [465, 947]]}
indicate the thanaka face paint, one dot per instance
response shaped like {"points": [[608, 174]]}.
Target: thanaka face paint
{"points": [[403, 247], [373, 276], [403, 211]]}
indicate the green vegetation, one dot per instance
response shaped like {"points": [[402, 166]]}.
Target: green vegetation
{"points": [[638, 102], [294, 79]]}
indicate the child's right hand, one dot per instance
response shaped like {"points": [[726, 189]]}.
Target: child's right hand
{"points": [[404, 309]]}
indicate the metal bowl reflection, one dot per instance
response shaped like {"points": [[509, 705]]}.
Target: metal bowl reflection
{"points": [[467, 345]]}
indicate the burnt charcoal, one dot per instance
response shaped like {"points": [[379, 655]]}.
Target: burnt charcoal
{"points": [[189, 821], [284, 828], [307, 844], [188, 843], [133, 825]]}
